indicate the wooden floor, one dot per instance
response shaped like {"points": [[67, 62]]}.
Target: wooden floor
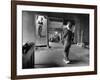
{"points": [[53, 57]]}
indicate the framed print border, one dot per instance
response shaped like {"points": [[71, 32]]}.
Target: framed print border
{"points": [[14, 39]]}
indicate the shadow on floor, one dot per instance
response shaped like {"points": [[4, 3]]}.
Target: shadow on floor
{"points": [[56, 65], [74, 61]]}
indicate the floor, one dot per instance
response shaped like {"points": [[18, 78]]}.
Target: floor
{"points": [[53, 57]]}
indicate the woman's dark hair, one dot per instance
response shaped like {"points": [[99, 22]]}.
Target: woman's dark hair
{"points": [[66, 21]]}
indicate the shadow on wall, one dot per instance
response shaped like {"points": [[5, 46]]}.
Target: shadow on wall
{"points": [[28, 25]]}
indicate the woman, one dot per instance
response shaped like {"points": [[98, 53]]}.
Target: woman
{"points": [[67, 39], [40, 27]]}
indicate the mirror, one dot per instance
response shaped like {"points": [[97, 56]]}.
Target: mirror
{"points": [[41, 30]]}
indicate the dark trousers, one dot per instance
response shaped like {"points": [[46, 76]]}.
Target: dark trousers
{"points": [[40, 31], [67, 46]]}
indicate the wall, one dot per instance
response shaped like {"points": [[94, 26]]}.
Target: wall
{"points": [[82, 29], [28, 24], [81, 25], [30, 28]]}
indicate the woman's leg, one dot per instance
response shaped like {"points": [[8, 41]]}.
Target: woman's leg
{"points": [[67, 48], [67, 52], [40, 31]]}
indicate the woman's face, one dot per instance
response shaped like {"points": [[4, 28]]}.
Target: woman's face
{"points": [[41, 19], [69, 25]]}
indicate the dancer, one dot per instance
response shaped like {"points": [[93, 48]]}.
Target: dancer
{"points": [[67, 40]]}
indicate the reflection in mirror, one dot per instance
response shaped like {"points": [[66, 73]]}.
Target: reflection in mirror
{"points": [[41, 30], [55, 31]]}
